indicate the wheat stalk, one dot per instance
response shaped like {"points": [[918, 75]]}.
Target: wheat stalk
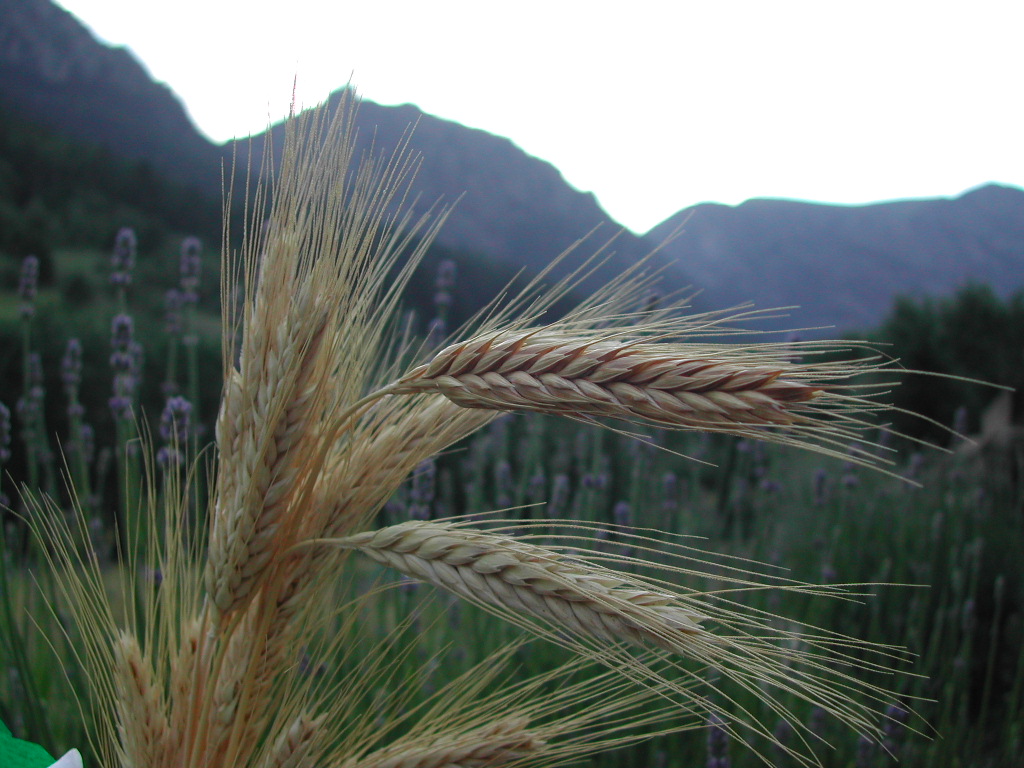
{"points": [[266, 415], [299, 745], [314, 434], [511, 574], [551, 372], [146, 736], [502, 743]]}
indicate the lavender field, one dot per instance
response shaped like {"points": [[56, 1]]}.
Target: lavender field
{"points": [[110, 402]]}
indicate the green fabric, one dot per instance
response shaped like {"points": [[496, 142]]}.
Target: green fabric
{"points": [[15, 753]]}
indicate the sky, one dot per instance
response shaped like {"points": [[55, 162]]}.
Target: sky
{"points": [[652, 106]]}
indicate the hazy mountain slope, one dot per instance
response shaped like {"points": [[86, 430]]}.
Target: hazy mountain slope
{"points": [[509, 206], [843, 265], [53, 71]]}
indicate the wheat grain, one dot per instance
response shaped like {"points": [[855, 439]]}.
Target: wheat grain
{"points": [[186, 680], [297, 747], [262, 462], [551, 372], [512, 575], [501, 743], [146, 736], [401, 433], [306, 457]]}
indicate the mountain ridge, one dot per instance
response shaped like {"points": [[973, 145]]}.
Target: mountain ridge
{"points": [[847, 263], [842, 264]]}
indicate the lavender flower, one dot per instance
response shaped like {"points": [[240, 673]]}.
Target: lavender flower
{"points": [[436, 333], [88, 443], [122, 330], [816, 722], [122, 260], [28, 284], [174, 301], [915, 465], [622, 513], [443, 284], [5, 448], [782, 734], [559, 500], [191, 267], [828, 573], [71, 368], [5, 434], [503, 484], [175, 428], [865, 752], [820, 487], [125, 360], [669, 493], [423, 490], [718, 743], [535, 489], [892, 729], [960, 420], [30, 406]]}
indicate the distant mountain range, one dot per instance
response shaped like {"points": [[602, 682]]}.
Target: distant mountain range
{"points": [[842, 265]]}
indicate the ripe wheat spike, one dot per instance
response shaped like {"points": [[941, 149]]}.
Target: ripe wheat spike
{"points": [[326, 408]]}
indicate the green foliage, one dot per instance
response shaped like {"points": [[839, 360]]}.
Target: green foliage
{"points": [[972, 335], [56, 192], [961, 535]]}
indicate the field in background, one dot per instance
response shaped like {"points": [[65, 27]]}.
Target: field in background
{"points": [[942, 558]]}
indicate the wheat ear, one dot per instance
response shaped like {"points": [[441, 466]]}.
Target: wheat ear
{"points": [[502, 743], [146, 736], [266, 412], [298, 746], [551, 372], [525, 578]]}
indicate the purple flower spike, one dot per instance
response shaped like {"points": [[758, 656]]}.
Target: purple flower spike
{"points": [[122, 261], [623, 514], [191, 268], [5, 434], [820, 487], [126, 361], [718, 743], [122, 329], [175, 428], [436, 333], [173, 303], [559, 501], [71, 366], [28, 284], [421, 495]]}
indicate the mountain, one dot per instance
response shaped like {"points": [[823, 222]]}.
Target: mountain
{"points": [[843, 265], [54, 72], [510, 208]]}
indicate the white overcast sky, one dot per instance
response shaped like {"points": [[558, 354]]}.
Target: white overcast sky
{"points": [[653, 106]]}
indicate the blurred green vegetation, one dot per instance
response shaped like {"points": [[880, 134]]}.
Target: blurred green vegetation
{"points": [[972, 335], [958, 537]]}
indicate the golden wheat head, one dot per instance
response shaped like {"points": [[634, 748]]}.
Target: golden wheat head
{"points": [[326, 410]]}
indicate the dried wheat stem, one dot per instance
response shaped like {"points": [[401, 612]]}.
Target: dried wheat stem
{"points": [[504, 742], [297, 747], [513, 575], [543, 370], [186, 680], [366, 476], [146, 736]]}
